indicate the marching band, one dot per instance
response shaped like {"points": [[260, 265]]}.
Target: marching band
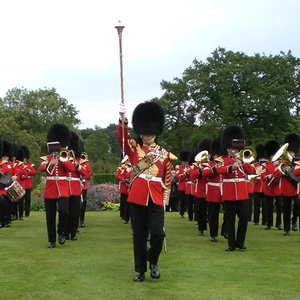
{"points": [[222, 176]]}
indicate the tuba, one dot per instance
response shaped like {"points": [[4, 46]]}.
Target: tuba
{"points": [[248, 154]]}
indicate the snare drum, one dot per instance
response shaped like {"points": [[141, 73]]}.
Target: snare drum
{"points": [[15, 191]]}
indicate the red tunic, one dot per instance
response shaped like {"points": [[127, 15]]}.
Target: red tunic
{"points": [[86, 178], [234, 182], [57, 184], [30, 171], [153, 181], [200, 182], [182, 176], [123, 176], [74, 179], [271, 180], [213, 186], [5, 168]]}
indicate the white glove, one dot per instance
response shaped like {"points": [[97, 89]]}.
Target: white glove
{"points": [[122, 109]]}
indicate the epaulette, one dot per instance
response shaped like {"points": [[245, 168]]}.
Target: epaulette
{"points": [[44, 157], [172, 156]]}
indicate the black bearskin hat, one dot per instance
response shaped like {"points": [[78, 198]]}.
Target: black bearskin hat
{"points": [[260, 151], [59, 133], [25, 150], [148, 118], [271, 148], [184, 155], [216, 148], [1, 148], [8, 149], [294, 142], [15, 150], [233, 137], [192, 157], [20, 155], [205, 145], [75, 144]]}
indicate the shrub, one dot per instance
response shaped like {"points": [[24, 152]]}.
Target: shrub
{"points": [[104, 178], [37, 199], [100, 195]]}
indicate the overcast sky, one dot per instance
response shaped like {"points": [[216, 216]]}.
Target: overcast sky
{"points": [[72, 45]]}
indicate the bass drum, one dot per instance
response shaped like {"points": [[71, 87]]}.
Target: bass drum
{"points": [[15, 191]]}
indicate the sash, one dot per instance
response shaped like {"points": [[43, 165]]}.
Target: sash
{"points": [[146, 162]]}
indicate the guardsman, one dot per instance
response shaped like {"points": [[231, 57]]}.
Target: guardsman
{"points": [[204, 150], [182, 172], [150, 184], [123, 177], [57, 166], [21, 174], [235, 193], [213, 189], [30, 171], [84, 162], [288, 184], [271, 180], [6, 171], [258, 196], [75, 188]]}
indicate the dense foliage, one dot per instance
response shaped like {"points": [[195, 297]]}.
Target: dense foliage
{"points": [[259, 92]]}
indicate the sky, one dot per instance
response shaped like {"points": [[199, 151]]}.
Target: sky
{"points": [[73, 46]]}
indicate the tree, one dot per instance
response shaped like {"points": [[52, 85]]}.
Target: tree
{"points": [[36, 111]]}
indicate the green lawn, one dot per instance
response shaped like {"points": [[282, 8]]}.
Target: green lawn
{"points": [[99, 265]]}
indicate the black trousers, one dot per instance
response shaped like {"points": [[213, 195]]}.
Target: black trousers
{"points": [[270, 210], [145, 220], [251, 197], [190, 201], [296, 210], [239, 208], [51, 206], [27, 202], [83, 205], [20, 208], [213, 209], [287, 210], [258, 205], [182, 202], [5, 211], [73, 216], [202, 214], [124, 207]]}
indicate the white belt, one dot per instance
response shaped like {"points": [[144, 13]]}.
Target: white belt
{"points": [[56, 178], [150, 178], [214, 183], [234, 180], [73, 178]]}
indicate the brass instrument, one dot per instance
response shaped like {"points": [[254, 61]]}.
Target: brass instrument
{"points": [[248, 154], [202, 157], [283, 158], [84, 156], [64, 155]]}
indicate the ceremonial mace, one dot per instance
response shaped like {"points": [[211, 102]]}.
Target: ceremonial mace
{"points": [[120, 28]]}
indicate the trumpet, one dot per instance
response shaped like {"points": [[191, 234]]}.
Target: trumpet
{"points": [[248, 154]]}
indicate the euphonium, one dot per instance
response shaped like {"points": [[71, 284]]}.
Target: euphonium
{"points": [[248, 154], [202, 157]]}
